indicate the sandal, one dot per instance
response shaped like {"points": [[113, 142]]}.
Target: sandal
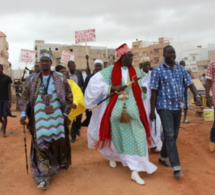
{"points": [[43, 185], [186, 121]]}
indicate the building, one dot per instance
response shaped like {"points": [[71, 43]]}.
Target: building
{"points": [[197, 59], [4, 53], [152, 49], [94, 52], [193, 55]]}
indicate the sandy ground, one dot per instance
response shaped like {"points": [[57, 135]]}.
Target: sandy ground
{"points": [[90, 173]]}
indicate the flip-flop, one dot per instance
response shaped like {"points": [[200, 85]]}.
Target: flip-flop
{"points": [[43, 185]]}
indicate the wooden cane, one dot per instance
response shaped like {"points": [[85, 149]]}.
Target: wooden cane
{"points": [[25, 146], [109, 96]]}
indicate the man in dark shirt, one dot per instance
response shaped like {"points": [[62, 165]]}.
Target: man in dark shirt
{"points": [[76, 76], [98, 65], [5, 99]]}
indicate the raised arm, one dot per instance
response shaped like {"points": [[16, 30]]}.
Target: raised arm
{"points": [[88, 71]]}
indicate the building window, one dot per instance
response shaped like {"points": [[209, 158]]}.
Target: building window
{"points": [[194, 58], [194, 69], [56, 49], [156, 51], [156, 60]]}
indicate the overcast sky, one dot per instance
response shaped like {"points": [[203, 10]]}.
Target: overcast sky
{"points": [[115, 21]]}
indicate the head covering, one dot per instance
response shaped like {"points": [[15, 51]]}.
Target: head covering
{"points": [[144, 59], [47, 55], [98, 61], [122, 50], [58, 68]]}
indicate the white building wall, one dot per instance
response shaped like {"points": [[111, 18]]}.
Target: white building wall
{"points": [[191, 56]]}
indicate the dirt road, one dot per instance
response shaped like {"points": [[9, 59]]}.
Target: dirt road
{"points": [[90, 173]]}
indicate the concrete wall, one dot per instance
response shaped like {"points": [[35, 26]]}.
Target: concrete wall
{"points": [[4, 55]]}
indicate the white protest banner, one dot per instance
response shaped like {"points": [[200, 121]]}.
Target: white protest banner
{"points": [[85, 36], [67, 56], [27, 56]]}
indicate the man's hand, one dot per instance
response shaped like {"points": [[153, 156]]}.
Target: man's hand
{"points": [[87, 57], [144, 89], [66, 119], [152, 115], [118, 88], [22, 120], [74, 106]]}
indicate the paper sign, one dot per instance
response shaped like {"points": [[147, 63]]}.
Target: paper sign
{"points": [[27, 56], [67, 56], [85, 36]]}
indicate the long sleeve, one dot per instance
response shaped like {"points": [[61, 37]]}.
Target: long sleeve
{"points": [[69, 98], [97, 89], [24, 100]]}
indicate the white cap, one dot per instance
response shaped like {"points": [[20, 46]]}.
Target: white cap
{"points": [[98, 61]]}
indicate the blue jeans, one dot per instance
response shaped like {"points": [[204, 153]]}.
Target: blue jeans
{"points": [[212, 136], [170, 120]]}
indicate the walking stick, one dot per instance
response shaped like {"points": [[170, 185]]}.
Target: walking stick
{"points": [[109, 96], [25, 146]]}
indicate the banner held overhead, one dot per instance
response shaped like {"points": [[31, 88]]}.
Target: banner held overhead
{"points": [[27, 56], [67, 56], [85, 36]]}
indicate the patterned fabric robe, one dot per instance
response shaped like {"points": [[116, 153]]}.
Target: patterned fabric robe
{"points": [[47, 155]]}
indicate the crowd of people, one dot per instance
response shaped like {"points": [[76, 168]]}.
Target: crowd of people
{"points": [[128, 111]]}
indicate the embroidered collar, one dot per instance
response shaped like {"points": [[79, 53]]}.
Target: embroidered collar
{"points": [[46, 74]]}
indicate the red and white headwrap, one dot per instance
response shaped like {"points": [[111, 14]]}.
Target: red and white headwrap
{"points": [[122, 50]]}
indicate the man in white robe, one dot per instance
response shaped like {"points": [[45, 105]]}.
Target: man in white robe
{"points": [[126, 142], [155, 125]]}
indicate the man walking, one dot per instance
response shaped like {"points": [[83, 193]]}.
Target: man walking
{"points": [[155, 125], [98, 65], [50, 99], [75, 75], [167, 82], [119, 127], [78, 106], [5, 99]]}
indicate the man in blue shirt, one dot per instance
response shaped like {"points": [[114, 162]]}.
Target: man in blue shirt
{"points": [[167, 82]]}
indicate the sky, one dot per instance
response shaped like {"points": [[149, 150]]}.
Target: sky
{"points": [[116, 22]]}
